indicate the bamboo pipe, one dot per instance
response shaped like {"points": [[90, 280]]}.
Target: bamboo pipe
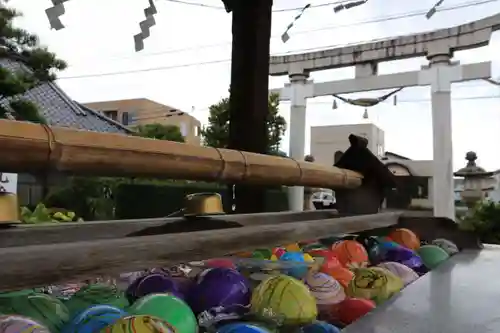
{"points": [[34, 148]]}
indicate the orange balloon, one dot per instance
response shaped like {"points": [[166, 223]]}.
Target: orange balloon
{"points": [[294, 247], [406, 238], [244, 254], [350, 253], [339, 273]]}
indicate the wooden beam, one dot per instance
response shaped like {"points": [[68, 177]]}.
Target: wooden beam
{"points": [[39, 265], [33, 148], [32, 234]]}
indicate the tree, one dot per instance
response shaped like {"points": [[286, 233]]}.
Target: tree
{"points": [[216, 134], [38, 66], [160, 132]]}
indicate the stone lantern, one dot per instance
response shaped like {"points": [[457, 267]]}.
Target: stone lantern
{"points": [[477, 181]]}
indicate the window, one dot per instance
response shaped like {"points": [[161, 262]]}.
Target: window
{"points": [[197, 131], [184, 129], [113, 114], [380, 150], [125, 118]]}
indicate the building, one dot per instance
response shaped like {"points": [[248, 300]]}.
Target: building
{"points": [[414, 179], [58, 109], [326, 141], [141, 111], [494, 195]]}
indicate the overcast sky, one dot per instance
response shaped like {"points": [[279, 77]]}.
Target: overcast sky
{"points": [[186, 62]]}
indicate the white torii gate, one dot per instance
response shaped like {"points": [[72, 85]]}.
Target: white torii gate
{"points": [[438, 46]]}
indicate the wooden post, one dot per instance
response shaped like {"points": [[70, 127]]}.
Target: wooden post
{"points": [[249, 90]]}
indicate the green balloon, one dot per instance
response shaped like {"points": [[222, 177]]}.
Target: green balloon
{"points": [[43, 308], [169, 308], [94, 294], [432, 255], [262, 254]]}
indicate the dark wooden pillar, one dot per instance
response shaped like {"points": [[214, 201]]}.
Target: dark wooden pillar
{"points": [[249, 90]]}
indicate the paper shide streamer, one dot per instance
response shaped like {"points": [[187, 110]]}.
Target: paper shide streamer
{"points": [[285, 37], [145, 26], [348, 5], [434, 9], [54, 13]]}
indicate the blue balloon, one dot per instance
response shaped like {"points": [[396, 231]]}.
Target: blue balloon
{"points": [[297, 272], [320, 327], [93, 319], [241, 328]]}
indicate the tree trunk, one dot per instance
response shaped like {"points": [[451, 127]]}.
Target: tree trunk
{"points": [[249, 90]]}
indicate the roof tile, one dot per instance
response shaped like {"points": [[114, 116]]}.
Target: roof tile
{"points": [[59, 110]]}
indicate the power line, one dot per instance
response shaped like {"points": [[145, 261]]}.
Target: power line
{"points": [[379, 19], [163, 113], [281, 10]]}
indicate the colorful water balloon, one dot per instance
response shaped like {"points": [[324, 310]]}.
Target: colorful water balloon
{"points": [[350, 253], [219, 287], [449, 247], [432, 255], [325, 289], [351, 309], [406, 274], [169, 309], [20, 324], [284, 298], [406, 238], [94, 319]]}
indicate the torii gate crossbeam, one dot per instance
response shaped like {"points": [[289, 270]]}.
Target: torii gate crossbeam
{"points": [[438, 46]]}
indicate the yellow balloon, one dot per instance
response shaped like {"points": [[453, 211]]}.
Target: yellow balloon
{"points": [[139, 324], [308, 258], [274, 258]]}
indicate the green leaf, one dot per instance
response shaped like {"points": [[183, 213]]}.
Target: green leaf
{"points": [[26, 111], [41, 214], [160, 132], [216, 134]]}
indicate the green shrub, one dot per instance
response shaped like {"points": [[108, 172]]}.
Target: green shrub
{"points": [[484, 220]]}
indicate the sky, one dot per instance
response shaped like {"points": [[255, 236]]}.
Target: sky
{"points": [[186, 63]]}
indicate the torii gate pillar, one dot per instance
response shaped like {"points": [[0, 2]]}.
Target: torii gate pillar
{"points": [[300, 89], [440, 75]]}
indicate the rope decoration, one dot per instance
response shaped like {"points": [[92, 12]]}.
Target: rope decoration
{"points": [[145, 26], [367, 102], [54, 13]]}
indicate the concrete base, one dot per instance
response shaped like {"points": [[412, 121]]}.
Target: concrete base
{"points": [[460, 296]]}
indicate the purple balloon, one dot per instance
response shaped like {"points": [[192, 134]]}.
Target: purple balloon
{"points": [[219, 287], [406, 257], [151, 284]]}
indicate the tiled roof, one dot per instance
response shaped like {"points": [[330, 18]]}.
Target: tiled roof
{"points": [[59, 110]]}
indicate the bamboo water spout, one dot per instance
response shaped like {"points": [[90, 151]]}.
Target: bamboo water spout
{"points": [[33, 148]]}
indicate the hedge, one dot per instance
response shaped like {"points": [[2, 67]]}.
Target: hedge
{"points": [[139, 201]]}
